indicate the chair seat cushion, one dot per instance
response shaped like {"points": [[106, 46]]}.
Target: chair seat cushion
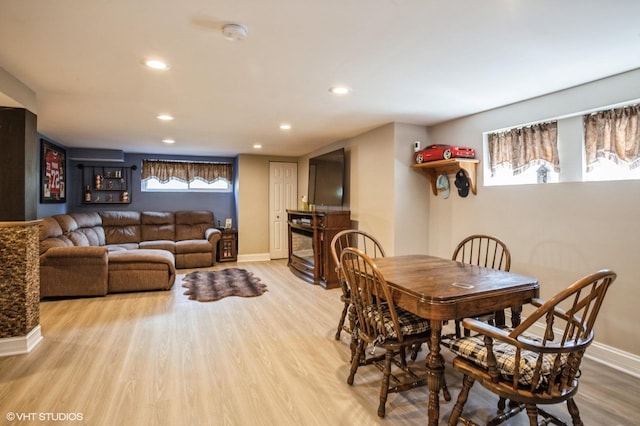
{"points": [[410, 324], [473, 349]]}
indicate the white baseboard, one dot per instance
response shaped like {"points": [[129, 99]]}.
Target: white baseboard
{"points": [[20, 345], [256, 257], [615, 358]]}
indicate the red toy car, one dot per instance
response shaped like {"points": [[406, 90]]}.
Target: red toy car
{"points": [[444, 152]]}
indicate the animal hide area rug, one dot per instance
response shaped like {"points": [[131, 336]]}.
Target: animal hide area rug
{"points": [[208, 286]]}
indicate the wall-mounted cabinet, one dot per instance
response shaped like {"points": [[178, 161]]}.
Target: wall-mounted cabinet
{"points": [[106, 184], [433, 169]]}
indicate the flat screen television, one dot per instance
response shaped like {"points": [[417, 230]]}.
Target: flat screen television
{"points": [[326, 179]]}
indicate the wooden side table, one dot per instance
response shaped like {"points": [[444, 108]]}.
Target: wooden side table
{"points": [[228, 246]]}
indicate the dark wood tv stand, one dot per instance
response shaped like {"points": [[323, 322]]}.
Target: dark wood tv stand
{"points": [[310, 235]]}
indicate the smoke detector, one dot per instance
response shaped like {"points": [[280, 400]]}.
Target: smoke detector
{"points": [[234, 32]]}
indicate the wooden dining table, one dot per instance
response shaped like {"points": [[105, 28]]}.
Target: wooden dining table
{"points": [[441, 289]]}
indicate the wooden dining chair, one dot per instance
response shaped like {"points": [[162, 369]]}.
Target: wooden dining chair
{"points": [[486, 251], [370, 246], [381, 324], [538, 362]]}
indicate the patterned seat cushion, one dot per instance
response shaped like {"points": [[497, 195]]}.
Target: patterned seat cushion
{"points": [[474, 349], [410, 324]]}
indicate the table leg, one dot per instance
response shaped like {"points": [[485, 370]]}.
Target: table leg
{"points": [[435, 372], [516, 315]]}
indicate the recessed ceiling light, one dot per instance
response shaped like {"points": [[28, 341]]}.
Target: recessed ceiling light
{"points": [[257, 146], [169, 141], [156, 64], [165, 117], [340, 90], [285, 126]]}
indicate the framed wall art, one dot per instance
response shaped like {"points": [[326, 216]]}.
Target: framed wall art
{"points": [[53, 179]]}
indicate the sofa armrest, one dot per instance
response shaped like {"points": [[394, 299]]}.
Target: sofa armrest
{"points": [[213, 235], [74, 255]]}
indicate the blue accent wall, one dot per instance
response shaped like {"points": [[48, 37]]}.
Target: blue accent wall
{"points": [[222, 204]]}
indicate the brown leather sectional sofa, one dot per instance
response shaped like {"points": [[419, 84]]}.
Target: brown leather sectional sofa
{"points": [[95, 253]]}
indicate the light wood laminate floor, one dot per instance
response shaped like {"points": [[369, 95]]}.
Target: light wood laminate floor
{"points": [[157, 358]]}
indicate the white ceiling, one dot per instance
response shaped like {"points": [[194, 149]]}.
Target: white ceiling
{"points": [[410, 61]]}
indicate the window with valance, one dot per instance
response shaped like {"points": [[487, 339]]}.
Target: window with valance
{"points": [[613, 135], [186, 175], [524, 147]]}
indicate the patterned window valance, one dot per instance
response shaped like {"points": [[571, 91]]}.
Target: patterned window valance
{"points": [[186, 171], [613, 134], [524, 147]]}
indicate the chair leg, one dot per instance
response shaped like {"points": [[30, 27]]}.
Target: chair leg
{"points": [[414, 351], [499, 319], [502, 404], [445, 390], [343, 316], [460, 330], [467, 382], [355, 362], [532, 413], [384, 386], [575, 413], [354, 330]]}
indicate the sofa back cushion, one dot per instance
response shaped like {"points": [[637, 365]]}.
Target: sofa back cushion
{"points": [[190, 225], [51, 235], [157, 226], [49, 228], [66, 222], [81, 229], [90, 231], [121, 226], [48, 243], [70, 231]]}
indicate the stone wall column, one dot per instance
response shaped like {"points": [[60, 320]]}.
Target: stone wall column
{"points": [[19, 287]]}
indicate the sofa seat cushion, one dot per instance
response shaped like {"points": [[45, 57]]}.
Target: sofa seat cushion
{"points": [[193, 246], [121, 247], [159, 245], [138, 270], [194, 260], [194, 254], [140, 256]]}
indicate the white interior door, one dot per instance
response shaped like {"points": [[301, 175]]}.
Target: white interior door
{"points": [[283, 195]]}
